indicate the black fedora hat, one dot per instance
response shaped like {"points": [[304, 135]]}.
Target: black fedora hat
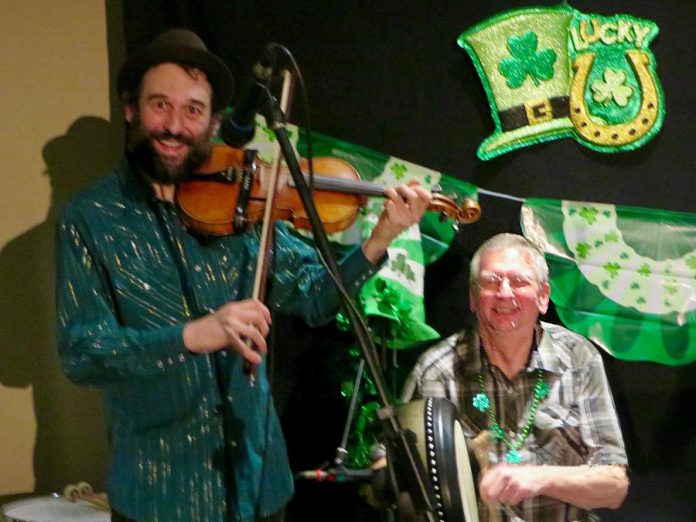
{"points": [[182, 47]]}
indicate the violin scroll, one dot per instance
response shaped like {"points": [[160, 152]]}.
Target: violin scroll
{"points": [[466, 213]]}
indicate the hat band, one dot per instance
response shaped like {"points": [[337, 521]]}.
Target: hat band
{"points": [[534, 112]]}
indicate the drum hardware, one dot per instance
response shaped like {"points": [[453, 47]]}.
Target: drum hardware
{"points": [[83, 491], [408, 483], [337, 471]]}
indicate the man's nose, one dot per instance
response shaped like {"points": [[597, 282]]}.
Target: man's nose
{"points": [[505, 289], [173, 123]]}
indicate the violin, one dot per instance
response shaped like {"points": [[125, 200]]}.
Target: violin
{"points": [[226, 194]]}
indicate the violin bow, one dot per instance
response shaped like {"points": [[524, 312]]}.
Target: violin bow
{"points": [[266, 239]]}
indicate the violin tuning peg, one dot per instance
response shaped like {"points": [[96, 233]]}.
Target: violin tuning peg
{"points": [[443, 217], [436, 189], [454, 196], [455, 226]]}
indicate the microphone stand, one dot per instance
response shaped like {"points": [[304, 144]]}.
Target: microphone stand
{"points": [[408, 472]]}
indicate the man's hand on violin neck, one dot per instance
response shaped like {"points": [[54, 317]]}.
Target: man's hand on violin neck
{"points": [[241, 326], [404, 207]]}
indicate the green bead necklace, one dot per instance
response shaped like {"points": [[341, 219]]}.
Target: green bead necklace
{"points": [[483, 403]]}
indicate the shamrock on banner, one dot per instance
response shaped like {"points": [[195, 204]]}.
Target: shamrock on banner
{"points": [[625, 277], [395, 294]]}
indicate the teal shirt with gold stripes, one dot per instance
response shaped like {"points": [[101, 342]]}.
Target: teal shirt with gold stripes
{"points": [[190, 439]]}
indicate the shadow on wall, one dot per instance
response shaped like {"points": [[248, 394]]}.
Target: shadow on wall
{"points": [[71, 441]]}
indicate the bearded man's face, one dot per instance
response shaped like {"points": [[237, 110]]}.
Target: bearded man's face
{"points": [[171, 124]]}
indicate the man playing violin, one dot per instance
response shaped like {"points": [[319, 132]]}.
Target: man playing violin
{"points": [[553, 446], [158, 317]]}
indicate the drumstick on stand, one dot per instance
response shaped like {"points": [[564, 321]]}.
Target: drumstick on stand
{"points": [[83, 491]]}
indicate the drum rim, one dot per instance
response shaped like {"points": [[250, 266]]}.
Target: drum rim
{"points": [[5, 516], [442, 468], [21, 501]]}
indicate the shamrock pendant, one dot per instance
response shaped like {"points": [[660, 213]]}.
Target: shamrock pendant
{"points": [[513, 457], [481, 402]]}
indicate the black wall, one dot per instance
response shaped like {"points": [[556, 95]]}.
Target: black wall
{"points": [[389, 76]]}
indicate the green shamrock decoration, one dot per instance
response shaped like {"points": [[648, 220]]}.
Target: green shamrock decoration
{"points": [[400, 265], [589, 214], [399, 170], [481, 402], [611, 237], [612, 268], [612, 88], [527, 61], [644, 270], [671, 288], [583, 250]]}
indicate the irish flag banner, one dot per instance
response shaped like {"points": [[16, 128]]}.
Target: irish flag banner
{"points": [[624, 277]]}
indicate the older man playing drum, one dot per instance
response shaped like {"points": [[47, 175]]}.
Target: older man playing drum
{"points": [[538, 391]]}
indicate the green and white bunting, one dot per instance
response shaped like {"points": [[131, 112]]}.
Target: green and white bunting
{"points": [[625, 277]]}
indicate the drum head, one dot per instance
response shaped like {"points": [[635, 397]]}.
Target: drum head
{"points": [[52, 509]]}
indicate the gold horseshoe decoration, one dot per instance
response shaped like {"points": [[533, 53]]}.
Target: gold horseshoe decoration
{"points": [[620, 133]]}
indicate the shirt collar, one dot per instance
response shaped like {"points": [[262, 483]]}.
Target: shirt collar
{"points": [[543, 355]]}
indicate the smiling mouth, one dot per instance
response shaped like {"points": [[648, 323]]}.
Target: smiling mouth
{"points": [[506, 310], [171, 146]]}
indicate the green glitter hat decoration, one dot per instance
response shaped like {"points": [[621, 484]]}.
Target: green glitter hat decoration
{"points": [[555, 72], [522, 59]]}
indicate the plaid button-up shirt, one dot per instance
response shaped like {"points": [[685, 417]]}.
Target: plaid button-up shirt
{"points": [[576, 424]]}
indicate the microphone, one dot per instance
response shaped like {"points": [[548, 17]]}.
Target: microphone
{"points": [[336, 475], [239, 127]]}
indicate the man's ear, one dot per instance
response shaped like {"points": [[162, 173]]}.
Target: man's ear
{"points": [[129, 112], [543, 298], [472, 299]]}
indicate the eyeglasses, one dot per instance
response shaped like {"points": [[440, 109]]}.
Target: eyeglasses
{"points": [[492, 282]]}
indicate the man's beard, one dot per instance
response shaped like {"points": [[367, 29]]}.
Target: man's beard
{"points": [[140, 148]]}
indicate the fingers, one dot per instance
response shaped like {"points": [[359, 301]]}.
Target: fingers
{"points": [[404, 207], [504, 484], [245, 324], [407, 203]]}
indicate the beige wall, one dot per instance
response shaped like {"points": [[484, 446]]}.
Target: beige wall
{"points": [[55, 136]]}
